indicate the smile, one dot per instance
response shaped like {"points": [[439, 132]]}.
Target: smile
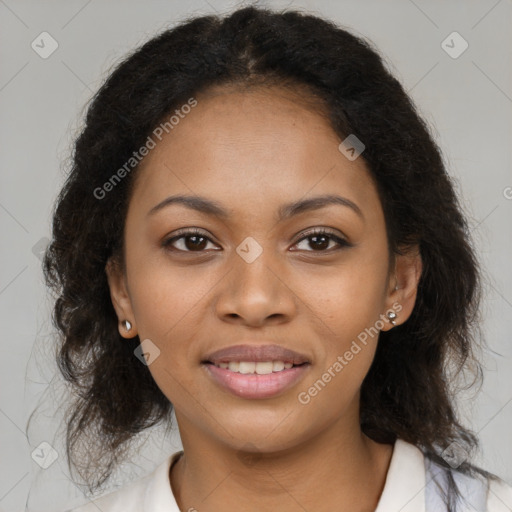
{"points": [[259, 367], [256, 380]]}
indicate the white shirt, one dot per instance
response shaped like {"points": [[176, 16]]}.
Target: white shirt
{"points": [[404, 489]]}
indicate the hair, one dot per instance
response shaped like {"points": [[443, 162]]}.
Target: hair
{"points": [[408, 391]]}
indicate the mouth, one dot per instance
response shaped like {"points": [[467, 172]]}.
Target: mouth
{"points": [[256, 372]]}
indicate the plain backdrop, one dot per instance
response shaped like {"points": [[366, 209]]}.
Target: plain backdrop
{"points": [[466, 99]]}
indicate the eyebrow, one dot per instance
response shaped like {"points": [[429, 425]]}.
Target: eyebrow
{"points": [[209, 207]]}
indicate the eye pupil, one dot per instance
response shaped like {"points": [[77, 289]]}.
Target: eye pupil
{"points": [[195, 244], [319, 245]]}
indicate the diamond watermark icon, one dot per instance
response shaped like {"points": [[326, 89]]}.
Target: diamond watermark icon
{"points": [[454, 454], [454, 45], [249, 249], [44, 45], [351, 147], [44, 455], [39, 247], [147, 352]]}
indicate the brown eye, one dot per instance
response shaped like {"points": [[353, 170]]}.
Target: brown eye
{"points": [[188, 241], [319, 240]]}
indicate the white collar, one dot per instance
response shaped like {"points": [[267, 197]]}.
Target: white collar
{"points": [[158, 496], [404, 489]]}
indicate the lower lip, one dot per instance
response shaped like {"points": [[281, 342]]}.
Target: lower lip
{"points": [[254, 386]]}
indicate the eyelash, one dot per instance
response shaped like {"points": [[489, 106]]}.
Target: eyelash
{"points": [[190, 232]]}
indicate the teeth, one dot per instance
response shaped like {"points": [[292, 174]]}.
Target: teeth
{"points": [[264, 368], [260, 367], [277, 366], [246, 367]]}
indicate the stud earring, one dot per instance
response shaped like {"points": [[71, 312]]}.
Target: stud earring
{"points": [[127, 325], [391, 316]]}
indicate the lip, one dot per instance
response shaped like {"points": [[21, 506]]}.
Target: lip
{"points": [[254, 386], [258, 353]]}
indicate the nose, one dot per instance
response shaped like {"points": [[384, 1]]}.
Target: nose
{"points": [[256, 293]]}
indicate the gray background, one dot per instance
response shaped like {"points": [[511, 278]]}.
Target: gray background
{"points": [[466, 100]]}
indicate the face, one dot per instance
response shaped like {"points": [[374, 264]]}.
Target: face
{"points": [[252, 270]]}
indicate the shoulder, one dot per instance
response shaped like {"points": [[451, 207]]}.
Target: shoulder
{"points": [[499, 498], [147, 493], [128, 498], [481, 494]]}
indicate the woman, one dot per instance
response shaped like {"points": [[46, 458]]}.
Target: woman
{"points": [[258, 233]]}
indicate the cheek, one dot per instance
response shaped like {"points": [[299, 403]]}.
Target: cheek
{"points": [[345, 298], [167, 298], [165, 302], [345, 307], [349, 335], [167, 307]]}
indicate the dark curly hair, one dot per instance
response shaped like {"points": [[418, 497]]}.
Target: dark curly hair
{"points": [[408, 392]]}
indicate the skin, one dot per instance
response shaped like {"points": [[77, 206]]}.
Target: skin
{"points": [[252, 151]]}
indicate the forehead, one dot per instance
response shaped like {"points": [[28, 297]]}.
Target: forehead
{"points": [[250, 148]]}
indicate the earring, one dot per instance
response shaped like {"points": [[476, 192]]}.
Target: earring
{"points": [[127, 325], [391, 316]]}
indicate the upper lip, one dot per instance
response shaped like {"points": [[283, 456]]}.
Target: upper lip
{"points": [[258, 353]]}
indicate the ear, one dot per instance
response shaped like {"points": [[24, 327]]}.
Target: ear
{"points": [[403, 286], [120, 297]]}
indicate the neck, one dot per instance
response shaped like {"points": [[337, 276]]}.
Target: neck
{"points": [[340, 469]]}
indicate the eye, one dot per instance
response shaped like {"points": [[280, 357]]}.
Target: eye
{"points": [[190, 240], [194, 240], [320, 239]]}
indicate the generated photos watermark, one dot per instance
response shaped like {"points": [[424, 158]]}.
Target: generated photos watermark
{"points": [[137, 156], [337, 366]]}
